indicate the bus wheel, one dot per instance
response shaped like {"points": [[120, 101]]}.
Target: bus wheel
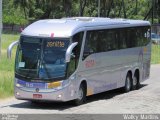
{"points": [[128, 83], [81, 95], [136, 83]]}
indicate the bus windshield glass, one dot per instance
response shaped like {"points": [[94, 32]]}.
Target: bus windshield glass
{"points": [[41, 58]]}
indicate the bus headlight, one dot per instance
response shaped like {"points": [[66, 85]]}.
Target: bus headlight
{"points": [[17, 93], [18, 85]]}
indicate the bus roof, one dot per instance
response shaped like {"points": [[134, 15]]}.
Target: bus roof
{"points": [[67, 27]]}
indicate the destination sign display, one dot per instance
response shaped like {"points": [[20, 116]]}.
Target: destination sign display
{"points": [[60, 44]]}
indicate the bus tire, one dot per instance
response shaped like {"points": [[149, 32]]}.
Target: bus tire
{"points": [[81, 95], [128, 83], [136, 83]]}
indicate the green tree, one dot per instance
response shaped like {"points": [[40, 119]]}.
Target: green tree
{"points": [[44, 9], [24, 5], [11, 15]]}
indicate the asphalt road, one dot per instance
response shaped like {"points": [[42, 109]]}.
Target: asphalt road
{"points": [[144, 100]]}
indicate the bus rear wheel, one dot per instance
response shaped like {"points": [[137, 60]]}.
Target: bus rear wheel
{"points": [[128, 83], [136, 82], [81, 95]]}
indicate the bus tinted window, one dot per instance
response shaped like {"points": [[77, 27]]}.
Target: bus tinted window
{"points": [[100, 41], [90, 43], [131, 37], [139, 37], [121, 34], [113, 39]]}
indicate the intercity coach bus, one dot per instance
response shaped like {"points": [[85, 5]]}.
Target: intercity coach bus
{"points": [[71, 58]]}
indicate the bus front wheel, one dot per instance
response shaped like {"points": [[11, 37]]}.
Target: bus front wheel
{"points": [[81, 95]]}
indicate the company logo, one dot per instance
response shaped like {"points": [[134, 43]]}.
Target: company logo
{"points": [[37, 89]]}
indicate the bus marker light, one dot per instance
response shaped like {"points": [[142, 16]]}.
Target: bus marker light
{"points": [[52, 35], [144, 49]]}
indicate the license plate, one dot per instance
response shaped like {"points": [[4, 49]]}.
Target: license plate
{"points": [[37, 96]]}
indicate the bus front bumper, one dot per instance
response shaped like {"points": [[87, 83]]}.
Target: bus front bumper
{"points": [[62, 95]]}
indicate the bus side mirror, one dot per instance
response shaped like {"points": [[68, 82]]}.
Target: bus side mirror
{"points": [[69, 51], [9, 50]]}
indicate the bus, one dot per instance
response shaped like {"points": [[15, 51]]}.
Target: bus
{"points": [[72, 58]]}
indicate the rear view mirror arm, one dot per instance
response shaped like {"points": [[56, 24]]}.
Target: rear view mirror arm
{"points": [[69, 51], [9, 50]]}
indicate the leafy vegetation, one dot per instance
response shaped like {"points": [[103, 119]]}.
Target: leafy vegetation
{"points": [[7, 67], [155, 58], [12, 15], [22, 11]]}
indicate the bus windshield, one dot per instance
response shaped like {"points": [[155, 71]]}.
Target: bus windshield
{"points": [[41, 58]]}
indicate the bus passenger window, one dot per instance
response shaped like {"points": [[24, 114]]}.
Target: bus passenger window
{"points": [[121, 39], [139, 37], [111, 40], [90, 44]]}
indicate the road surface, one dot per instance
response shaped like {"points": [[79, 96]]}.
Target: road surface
{"points": [[144, 100]]}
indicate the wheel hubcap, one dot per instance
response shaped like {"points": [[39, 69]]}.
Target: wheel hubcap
{"points": [[128, 83], [135, 81]]}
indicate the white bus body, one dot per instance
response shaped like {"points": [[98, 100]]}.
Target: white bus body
{"points": [[71, 58]]}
